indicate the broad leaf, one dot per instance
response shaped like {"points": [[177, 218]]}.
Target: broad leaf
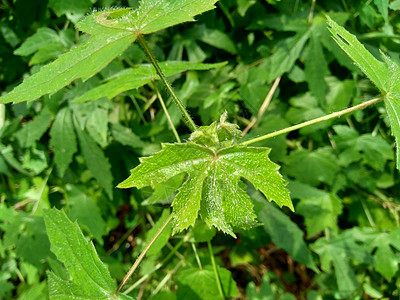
{"points": [[93, 155], [89, 277], [63, 139], [81, 62], [140, 75], [385, 75], [286, 234], [111, 31], [201, 284], [215, 165]]}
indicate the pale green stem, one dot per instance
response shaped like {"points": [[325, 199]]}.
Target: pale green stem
{"points": [[221, 293], [142, 255], [178, 139], [158, 266], [312, 122], [166, 278], [186, 117], [197, 256], [2, 115]]}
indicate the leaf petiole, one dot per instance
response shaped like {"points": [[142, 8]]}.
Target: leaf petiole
{"points": [[186, 117], [312, 122]]}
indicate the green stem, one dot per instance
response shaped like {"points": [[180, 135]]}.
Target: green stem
{"points": [[186, 117], [221, 293], [312, 122], [167, 114], [158, 266], [141, 256]]}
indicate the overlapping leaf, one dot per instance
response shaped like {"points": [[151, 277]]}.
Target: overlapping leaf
{"points": [[135, 77], [215, 166], [111, 31], [385, 75]]}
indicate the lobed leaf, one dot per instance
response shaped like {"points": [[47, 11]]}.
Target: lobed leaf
{"points": [[215, 169]]}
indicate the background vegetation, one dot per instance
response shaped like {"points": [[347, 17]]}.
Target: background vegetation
{"points": [[342, 241]]}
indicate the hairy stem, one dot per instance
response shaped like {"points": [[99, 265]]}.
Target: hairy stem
{"points": [[186, 117], [314, 121], [141, 256], [218, 281]]}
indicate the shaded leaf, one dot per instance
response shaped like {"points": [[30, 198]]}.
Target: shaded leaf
{"points": [[33, 130], [136, 77], [93, 155], [286, 234], [199, 284], [63, 139]]}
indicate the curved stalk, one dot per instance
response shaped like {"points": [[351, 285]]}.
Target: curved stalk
{"points": [[186, 117], [218, 281], [142, 255], [312, 122]]}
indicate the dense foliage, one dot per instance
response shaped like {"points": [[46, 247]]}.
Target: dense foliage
{"points": [[269, 65]]}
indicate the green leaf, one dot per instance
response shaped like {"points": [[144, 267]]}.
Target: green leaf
{"points": [[93, 155], [320, 212], [63, 139], [215, 166], [286, 234], [86, 212], [162, 240], [313, 167], [33, 130], [385, 75], [73, 9], [89, 277], [377, 71], [42, 38], [264, 293], [286, 54], [81, 62], [132, 78], [125, 136], [154, 15], [316, 67], [199, 284]]}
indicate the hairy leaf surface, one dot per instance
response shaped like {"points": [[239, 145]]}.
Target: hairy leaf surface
{"points": [[215, 166], [90, 278], [111, 31]]}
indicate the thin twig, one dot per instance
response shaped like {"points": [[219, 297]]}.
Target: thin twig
{"points": [[314, 121], [142, 255], [264, 106]]}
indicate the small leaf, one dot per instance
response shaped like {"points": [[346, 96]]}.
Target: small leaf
{"points": [[33, 130], [93, 155], [201, 284], [215, 166], [316, 67], [90, 278], [63, 139]]}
